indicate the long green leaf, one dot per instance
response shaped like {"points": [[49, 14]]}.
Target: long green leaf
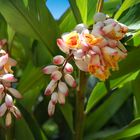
{"points": [[136, 89], [33, 18], [99, 117], [126, 4]]}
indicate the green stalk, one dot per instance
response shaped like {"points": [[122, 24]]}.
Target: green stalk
{"points": [[99, 5], [80, 116]]}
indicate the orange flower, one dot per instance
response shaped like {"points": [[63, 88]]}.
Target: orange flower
{"points": [[72, 40], [91, 40]]}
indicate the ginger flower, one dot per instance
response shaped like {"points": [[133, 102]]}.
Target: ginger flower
{"points": [[96, 51]]}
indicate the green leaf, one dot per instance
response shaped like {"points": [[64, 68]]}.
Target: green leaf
{"points": [[136, 92], [67, 22], [19, 126], [111, 6], [104, 112], [34, 20], [126, 4], [31, 78], [128, 65], [91, 11], [32, 124], [98, 92], [67, 112], [76, 11], [3, 28], [133, 129]]}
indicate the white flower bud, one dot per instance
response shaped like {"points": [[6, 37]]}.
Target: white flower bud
{"points": [[70, 80], [3, 109], [51, 108], [8, 119], [49, 69], [50, 88], [16, 112], [15, 93], [8, 78], [62, 88], [61, 98], [62, 46], [54, 97], [56, 75], [68, 68], [58, 60], [99, 17], [8, 101]]}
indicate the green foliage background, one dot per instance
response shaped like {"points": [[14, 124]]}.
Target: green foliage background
{"points": [[112, 108]]}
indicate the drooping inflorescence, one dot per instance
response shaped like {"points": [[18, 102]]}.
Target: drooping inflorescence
{"points": [[7, 92], [95, 51]]}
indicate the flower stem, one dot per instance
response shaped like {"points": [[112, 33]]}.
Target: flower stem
{"points": [[79, 124], [99, 5]]}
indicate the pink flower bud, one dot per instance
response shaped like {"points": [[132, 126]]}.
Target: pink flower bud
{"points": [[1, 88], [49, 69], [58, 60], [12, 62], [8, 119], [3, 109], [8, 101], [80, 27], [3, 60], [68, 68], [61, 98], [50, 88], [99, 17], [51, 108], [62, 88], [56, 75], [70, 80], [15, 93], [16, 112], [62, 46], [54, 97], [9, 78]]}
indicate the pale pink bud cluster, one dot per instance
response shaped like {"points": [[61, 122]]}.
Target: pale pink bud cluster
{"points": [[61, 78], [7, 93]]}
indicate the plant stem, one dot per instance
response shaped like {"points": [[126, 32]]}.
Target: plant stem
{"points": [[79, 124], [9, 134], [99, 5]]}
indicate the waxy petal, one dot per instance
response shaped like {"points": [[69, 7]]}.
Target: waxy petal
{"points": [[50, 69], [70, 80], [56, 75], [1, 88], [8, 78], [51, 108], [3, 60], [68, 68], [54, 97], [50, 88], [62, 88], [82, 65], [3, 109], [58, 60], [62, 46], [8, 119], [8, 101], [99, 17], [16, 112], [15, 93], [61, 98]]}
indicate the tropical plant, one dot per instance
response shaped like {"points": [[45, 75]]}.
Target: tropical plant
{"points": [[106, 109]]}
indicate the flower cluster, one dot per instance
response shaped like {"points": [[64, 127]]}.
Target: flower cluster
{"points": [[6, 91], [61, 78], [95, 51]]}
